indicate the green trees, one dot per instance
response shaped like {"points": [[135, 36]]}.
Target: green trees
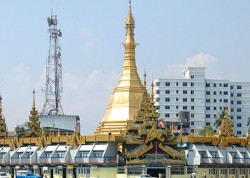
{"points": [[220, 117], [207, 130]]}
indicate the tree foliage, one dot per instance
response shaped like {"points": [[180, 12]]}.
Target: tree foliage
{"points": [[207, 130]]}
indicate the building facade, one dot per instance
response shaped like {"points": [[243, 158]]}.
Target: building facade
{"points": [[201, 100]]}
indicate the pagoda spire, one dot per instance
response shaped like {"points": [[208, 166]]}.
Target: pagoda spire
{"points": [[127, 96], [33, 124], [3, 128]]}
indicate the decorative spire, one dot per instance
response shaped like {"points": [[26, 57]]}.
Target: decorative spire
{"points": [[145, 79], [1, 107], [3, 128], [34, 100], [33, 124]]}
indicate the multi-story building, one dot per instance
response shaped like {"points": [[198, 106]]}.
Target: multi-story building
{"points": [[200, 100]]}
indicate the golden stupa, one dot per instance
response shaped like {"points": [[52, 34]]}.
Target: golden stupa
{"points": [[126, 97]]}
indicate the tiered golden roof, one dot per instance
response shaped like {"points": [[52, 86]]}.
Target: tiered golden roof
{"points": [[143, 138], [33, 124], [3, 129], [126, 97], [226, 128]]}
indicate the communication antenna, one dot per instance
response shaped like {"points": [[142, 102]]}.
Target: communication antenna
{"points": [[53, 84]]}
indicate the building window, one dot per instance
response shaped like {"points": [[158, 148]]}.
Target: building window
{"points": [[231, 87], [167, 107], [239, 125], [192, 84], [215, 108], [225, 85], [177, 115], [238, 87], [192, 115], [192, 122], [238, 132], [238, 102], [157, 83], [207, 92], [192, 76], [220, 100], [232, 109], [239, 117], [207, 100], [167, 92], [214, 92], [214, 84], [184, 84], [192, 92], [167, 99], [232, 95], [177, 107], [177, 91], [176, 99], [207, 108], [207, 123], [157, 99], [192, 107], [157, 92], [214, 100], [184, 99], [220, 92], [220, 84], [207, 84], [225, 92], [232, 102], [192, 99], [225, 100], [184, 92], [238, 94], [177, 83], [207, 115], [238, 109], [167, 84], [166, 114], [184, 107]]}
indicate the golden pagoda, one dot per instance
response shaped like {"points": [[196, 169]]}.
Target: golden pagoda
{"points": [[3, 130], [126, 97]]}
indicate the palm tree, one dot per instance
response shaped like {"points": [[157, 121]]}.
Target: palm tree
{"points": [[248, 121], [219, 119]]}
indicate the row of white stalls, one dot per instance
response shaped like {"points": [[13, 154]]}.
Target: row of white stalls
{"points": [[197, 154], [96, 153]]}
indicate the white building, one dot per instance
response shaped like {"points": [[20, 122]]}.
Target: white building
{"points": [[202, 99]]}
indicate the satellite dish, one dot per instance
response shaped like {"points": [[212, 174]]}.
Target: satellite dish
{"points": [[59, 33]]}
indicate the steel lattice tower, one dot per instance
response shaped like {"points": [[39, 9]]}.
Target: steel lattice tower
{"points": [[53, 84]]}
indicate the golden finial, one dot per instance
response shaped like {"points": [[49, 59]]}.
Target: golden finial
{"points": [[152, 94], [130, 19], [145, 79], [1, 108], [34, 101]]}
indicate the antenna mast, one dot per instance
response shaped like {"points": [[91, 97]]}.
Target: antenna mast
{"points": [[53, 84]]}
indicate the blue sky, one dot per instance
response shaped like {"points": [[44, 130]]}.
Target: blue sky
{"points": [[172, 35]]}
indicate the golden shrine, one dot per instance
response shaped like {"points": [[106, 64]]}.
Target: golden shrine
{"points": [[126, 97]]}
